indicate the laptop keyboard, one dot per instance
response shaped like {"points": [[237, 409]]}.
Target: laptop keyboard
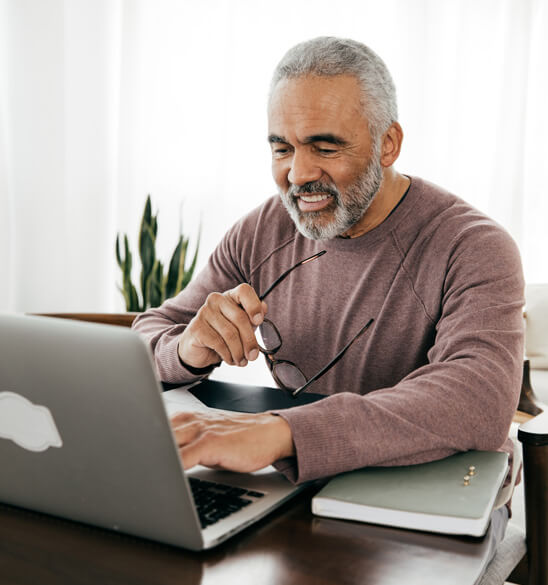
{"points": [[215, 501]]}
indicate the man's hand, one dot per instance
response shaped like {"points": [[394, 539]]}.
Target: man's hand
{"points": [[236, 441], [224, 329]]}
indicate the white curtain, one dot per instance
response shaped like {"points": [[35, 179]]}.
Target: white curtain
{"points": [[105, 101], [58, 133]]}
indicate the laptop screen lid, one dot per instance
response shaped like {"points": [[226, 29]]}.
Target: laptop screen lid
{"points": [[84, 433]]}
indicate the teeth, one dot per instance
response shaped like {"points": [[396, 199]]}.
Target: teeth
{"points": [[313, 198]]}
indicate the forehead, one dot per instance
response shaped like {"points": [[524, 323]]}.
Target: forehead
{"points": [[311, 104]]}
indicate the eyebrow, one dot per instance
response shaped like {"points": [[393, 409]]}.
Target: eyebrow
{"points": [[326, 137], [275, 139]]}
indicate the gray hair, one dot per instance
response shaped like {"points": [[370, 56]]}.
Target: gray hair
{"points": [[330, 56]]}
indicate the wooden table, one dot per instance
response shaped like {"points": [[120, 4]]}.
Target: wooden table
{"points": [[291, 546]]}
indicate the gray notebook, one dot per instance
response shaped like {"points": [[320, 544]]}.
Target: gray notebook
{"points": [[430, 496]]}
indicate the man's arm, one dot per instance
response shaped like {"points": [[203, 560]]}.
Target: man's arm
{"points": [[211, 320], [223, 329], [464, 398]]}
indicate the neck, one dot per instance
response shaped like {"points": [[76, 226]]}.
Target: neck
{"points": [[392, 189]]}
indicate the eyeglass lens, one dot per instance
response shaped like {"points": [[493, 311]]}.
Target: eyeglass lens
{"points": [[268, 337], [285, 373], [288, 375]]}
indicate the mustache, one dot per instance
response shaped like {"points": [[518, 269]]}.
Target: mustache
{"points": [[314, 187]]}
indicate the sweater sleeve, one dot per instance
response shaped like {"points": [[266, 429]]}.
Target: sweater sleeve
{"points": [[463, 398], [162, 326]]}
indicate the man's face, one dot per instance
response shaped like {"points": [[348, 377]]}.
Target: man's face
{"points": [[324, 162]]}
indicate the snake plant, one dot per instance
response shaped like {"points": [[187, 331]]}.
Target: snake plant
{"points": [[155, 286]]}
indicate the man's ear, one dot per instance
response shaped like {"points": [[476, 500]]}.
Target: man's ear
{"points": [[391, 144]]}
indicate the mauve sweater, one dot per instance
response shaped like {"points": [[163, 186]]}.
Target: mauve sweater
{"points": [[438, 371]]}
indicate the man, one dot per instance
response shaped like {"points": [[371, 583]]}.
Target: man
{"points": [[438, 369]]}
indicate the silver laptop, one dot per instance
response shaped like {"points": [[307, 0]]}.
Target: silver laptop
{"points": [[85, 435]]}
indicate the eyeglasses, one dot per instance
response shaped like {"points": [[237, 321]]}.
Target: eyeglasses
{"points": [[286, 374]]}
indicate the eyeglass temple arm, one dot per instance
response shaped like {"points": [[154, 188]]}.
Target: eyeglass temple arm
{"points": [[296, 392], [287, 272]]}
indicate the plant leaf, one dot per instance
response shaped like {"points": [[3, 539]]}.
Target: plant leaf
{"points": [[148, 258], [130, 295], [174, 269], [188, 274], [128, 260], [118, 257], [147, 213], [134, 299], [156, 286]]}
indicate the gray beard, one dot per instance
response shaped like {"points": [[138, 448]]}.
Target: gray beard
{"points": [[358, 197]]}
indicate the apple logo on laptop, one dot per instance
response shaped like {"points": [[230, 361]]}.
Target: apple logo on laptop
{"points": [[29, 425]]}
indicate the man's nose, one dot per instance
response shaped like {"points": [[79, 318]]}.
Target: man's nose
{"points": [[303, 169]]}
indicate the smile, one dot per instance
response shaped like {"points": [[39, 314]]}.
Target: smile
{"points": [[314, 201], [314, 198]]}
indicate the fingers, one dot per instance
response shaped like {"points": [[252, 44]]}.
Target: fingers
{"points": [[197, 436], [192, 455], [237, 330], [246, 297], [228, 330], [224, 328], [236, 441], [213, 332]]}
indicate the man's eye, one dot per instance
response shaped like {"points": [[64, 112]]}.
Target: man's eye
{"points": [[326, 150], [280, 151]]}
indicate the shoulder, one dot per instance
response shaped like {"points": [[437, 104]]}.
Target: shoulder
{"points": [[445, 225], [448, 245]]}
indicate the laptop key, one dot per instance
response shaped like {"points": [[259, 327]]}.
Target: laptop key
{"points": [[255, 494], [235, 491], [216, 501]]}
